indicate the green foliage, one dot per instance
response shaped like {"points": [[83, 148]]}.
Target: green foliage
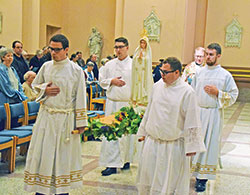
{"points": [[128, 122]]}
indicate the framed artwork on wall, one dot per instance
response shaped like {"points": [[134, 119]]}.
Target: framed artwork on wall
{"points": [[1, 22]]}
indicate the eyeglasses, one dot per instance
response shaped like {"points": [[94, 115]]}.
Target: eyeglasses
{"points": [[119, 47], [55, 49], [197, 56], [165, 72]]}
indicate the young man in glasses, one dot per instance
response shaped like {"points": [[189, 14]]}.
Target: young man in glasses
{"points": [[170, 129], [116, 79], [19, 62], [53, 164], [216, 90]]}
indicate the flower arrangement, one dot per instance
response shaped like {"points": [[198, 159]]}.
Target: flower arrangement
{"points": [[127, 122]]}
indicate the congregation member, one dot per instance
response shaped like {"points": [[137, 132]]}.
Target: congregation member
{"points": [[10, 86], [46, 55], [116, 79], [171, 131], [53, 164], [27, 88], [80, 60], [156, 72], [216, 90], [93, 58], [73, 58], [103, 62], [36, 62], [89, 72], [19, 63], [196, 65]]}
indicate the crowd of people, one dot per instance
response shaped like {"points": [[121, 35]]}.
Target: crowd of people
{"points": [[181, 126], [20, 67]]}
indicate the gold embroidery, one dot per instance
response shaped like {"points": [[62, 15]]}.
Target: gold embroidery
{"points": [[81, 114], [56, 181], [225, 100], [204, 169], [81, 110]]}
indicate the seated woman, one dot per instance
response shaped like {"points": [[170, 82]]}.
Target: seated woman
{"points": [[89, 72], [10, 85], [27, 88]]}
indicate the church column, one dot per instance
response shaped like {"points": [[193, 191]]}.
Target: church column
{"points": [[119, 18], [194, 30], [31, 25]]}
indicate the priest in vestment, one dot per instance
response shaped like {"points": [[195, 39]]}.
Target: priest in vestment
{"points": [[142, 79], [171, 131], [191, 69], [216, 90], [53, 164], [116, 79]]}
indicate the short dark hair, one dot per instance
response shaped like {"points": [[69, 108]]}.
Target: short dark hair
{"points": [[215, 46], [72, 56], [78, 52], [90, 57], [62, 39], [122, 39], [14, 44], [174, 63]]}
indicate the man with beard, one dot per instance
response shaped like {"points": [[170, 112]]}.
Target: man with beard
{"points": [[216, 90]]}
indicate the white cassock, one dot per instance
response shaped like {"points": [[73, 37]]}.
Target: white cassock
{"points": [[171, 125], [54, 162], [116, 153], [212, 114]]}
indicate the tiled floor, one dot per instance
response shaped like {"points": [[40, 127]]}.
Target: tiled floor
{"points": [[232, 179]]}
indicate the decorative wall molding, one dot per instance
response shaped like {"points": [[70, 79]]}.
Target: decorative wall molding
{"points": [[233, 34], [153, 26], [1, 22]]}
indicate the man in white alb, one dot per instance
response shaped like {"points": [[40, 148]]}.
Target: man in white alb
{"points": [[116, 79], [171, 132], [53, 164], [216, 90]]}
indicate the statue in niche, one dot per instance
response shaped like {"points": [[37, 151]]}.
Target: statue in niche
{"points": [[142, 79], [95, 43], [233, 34], [152, 25]]}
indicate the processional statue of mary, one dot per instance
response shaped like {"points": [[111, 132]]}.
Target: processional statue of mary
{"points": [[142, 79]]}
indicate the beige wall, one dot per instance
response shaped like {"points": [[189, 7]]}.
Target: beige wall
{"points": [[180, 34], [51, 13], [219, 15], [31, 25], [171, 13], [12, 21], [81, 16]]}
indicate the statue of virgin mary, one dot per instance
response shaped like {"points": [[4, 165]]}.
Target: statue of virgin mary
{"points": [[142, 80]]}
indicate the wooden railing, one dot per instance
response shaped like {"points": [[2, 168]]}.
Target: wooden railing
{"points": [[240, 74]]}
